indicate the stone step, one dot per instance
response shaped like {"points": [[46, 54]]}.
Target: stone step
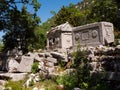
{"points": [[112, 76], [107, 53], [13, 76], [110, 58]]}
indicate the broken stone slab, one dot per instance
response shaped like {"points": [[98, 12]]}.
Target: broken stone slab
{"points": [[14, 76], [76, 88], [118, 46], [110, 58], [117, 49], [35, 88], [49, 64], [41, 54], [50, 59], [12, 65], [51, 70], [39, 59], [25, 64], [30, 54], [41, 65], [113, 76], [37, 56], [59, 56], [47, 54], [2, 82]]}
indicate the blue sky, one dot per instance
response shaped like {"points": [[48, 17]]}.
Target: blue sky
{"points": [[50, 5]]}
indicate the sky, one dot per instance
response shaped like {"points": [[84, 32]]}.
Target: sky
{"points": [[47, 6], [52, 5]]}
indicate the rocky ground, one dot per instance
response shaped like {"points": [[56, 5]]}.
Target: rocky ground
{"points": [[19, 66]]}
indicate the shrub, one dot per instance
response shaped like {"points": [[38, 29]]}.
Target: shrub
{"points": [[86, 80], [49, 85], [68, 80], [15, 85], [62, 64], [102, 86], [35, 67], [31, 83]]}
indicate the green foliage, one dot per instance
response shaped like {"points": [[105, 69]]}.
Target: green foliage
{"points": [[69, 14], [83, 69], [86, 80], [88, 11], [31, 83], [69, 81], [49, 85], [106, 10], [1, 45], [61, 64], [15, 85], [102, 86], [18, 23], [35, 67], [40, 38]]}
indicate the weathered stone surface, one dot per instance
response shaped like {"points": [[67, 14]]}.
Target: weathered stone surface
{"points": [[41, 65], [29, 80], [2, 87], [41, 54], [114, 76], [47, 54], [118, 46], [60, 37], [59, 56], [12, 65], [50, 64], [25, 64], [37, 78], [35, 88], [51, 70], [50, 59], [99, 33], [37, 58], [76, 89], [14, 76], [2, 82]]}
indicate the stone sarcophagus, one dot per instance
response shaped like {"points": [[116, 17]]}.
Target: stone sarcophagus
{"points": [[99, 33], [60, 37]]}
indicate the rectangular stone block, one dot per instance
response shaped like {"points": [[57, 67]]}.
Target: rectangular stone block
{"points": [[99, 33], [50, 59], [25, 64], [49, 64]]}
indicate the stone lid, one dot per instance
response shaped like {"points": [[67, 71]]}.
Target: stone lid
{"points": [[91, 25], [63, 27]]}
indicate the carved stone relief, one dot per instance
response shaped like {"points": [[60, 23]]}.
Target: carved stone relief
{"points": [[94, 33], [85, 35], [108, 31], [77, 36]]}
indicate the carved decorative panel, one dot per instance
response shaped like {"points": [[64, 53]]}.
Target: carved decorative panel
{"points": [[85, 35], [77, 36], [94, 33]]}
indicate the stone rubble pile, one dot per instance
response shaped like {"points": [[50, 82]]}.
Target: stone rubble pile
{"points": [[23, 63], [107, 59], [100, 57]]}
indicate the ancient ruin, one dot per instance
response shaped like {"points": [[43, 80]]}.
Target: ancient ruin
{"points": [[64, 36], [60, 37], [93, 37], [94, 34]]}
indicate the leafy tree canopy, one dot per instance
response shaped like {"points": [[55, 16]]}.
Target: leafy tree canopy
{"points": [[18, 23], [70, 14]]}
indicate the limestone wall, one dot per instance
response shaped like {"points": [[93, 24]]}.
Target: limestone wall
{"points": [[106, 59]]}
